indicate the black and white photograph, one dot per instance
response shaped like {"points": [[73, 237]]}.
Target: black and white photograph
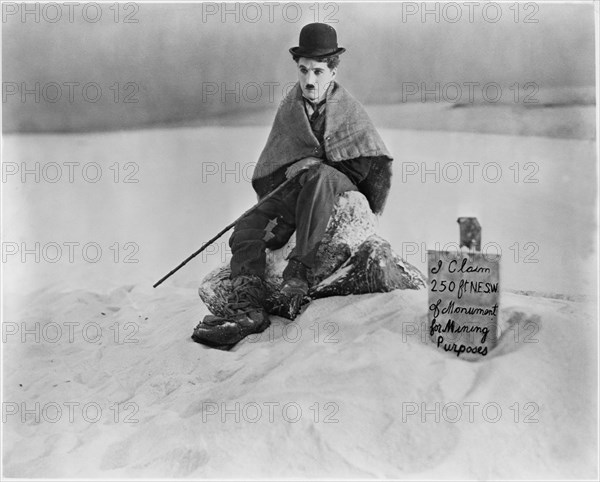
{"points": [[350, 240]]}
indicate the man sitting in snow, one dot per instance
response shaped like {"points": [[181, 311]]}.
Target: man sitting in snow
{"points": [[324, 140]]}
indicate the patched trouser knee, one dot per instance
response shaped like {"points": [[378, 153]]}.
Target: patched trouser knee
{"points": [[268, 226]]}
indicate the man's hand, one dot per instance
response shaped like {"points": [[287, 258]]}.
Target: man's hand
{"points": [[300, 165]]}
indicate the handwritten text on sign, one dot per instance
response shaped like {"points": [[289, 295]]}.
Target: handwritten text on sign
{"points": [[464, 293]]}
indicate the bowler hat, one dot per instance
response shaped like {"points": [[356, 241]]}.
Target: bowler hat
{"points": [[317, 40]]}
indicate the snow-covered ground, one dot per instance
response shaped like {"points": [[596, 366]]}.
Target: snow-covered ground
{"points": [[351, 389]]}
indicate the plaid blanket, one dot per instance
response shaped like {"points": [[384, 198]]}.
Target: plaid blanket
{"points": [[349, 134]]}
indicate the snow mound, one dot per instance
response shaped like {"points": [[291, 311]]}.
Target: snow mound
{"points": [[351, 389]]}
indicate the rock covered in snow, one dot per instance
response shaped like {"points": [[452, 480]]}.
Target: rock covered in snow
{"points": [[351, 260], [374, 268]]}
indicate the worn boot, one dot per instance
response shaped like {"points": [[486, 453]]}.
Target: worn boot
{"points": [[245, 315], [295, 279], [295, 286]]}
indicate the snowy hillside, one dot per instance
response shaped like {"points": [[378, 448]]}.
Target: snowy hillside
{"points": [[352, 388]]}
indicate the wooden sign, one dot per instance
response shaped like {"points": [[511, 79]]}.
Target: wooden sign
{"points": [[464, 300]]}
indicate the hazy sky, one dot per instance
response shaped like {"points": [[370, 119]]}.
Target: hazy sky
{"points": [[179, 61]]}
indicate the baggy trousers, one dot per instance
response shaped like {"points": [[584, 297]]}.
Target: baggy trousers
{"points": [[304, 206]]}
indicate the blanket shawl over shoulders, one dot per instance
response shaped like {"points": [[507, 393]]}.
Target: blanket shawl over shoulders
{"points": [[349, 134]]}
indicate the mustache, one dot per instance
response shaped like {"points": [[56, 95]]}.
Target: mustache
{"points": [[309, 86]]}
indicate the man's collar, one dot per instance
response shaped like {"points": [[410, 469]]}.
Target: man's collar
{"points": [[314, 106]]}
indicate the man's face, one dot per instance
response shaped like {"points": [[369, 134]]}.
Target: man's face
{"points": [[314, 78]]}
